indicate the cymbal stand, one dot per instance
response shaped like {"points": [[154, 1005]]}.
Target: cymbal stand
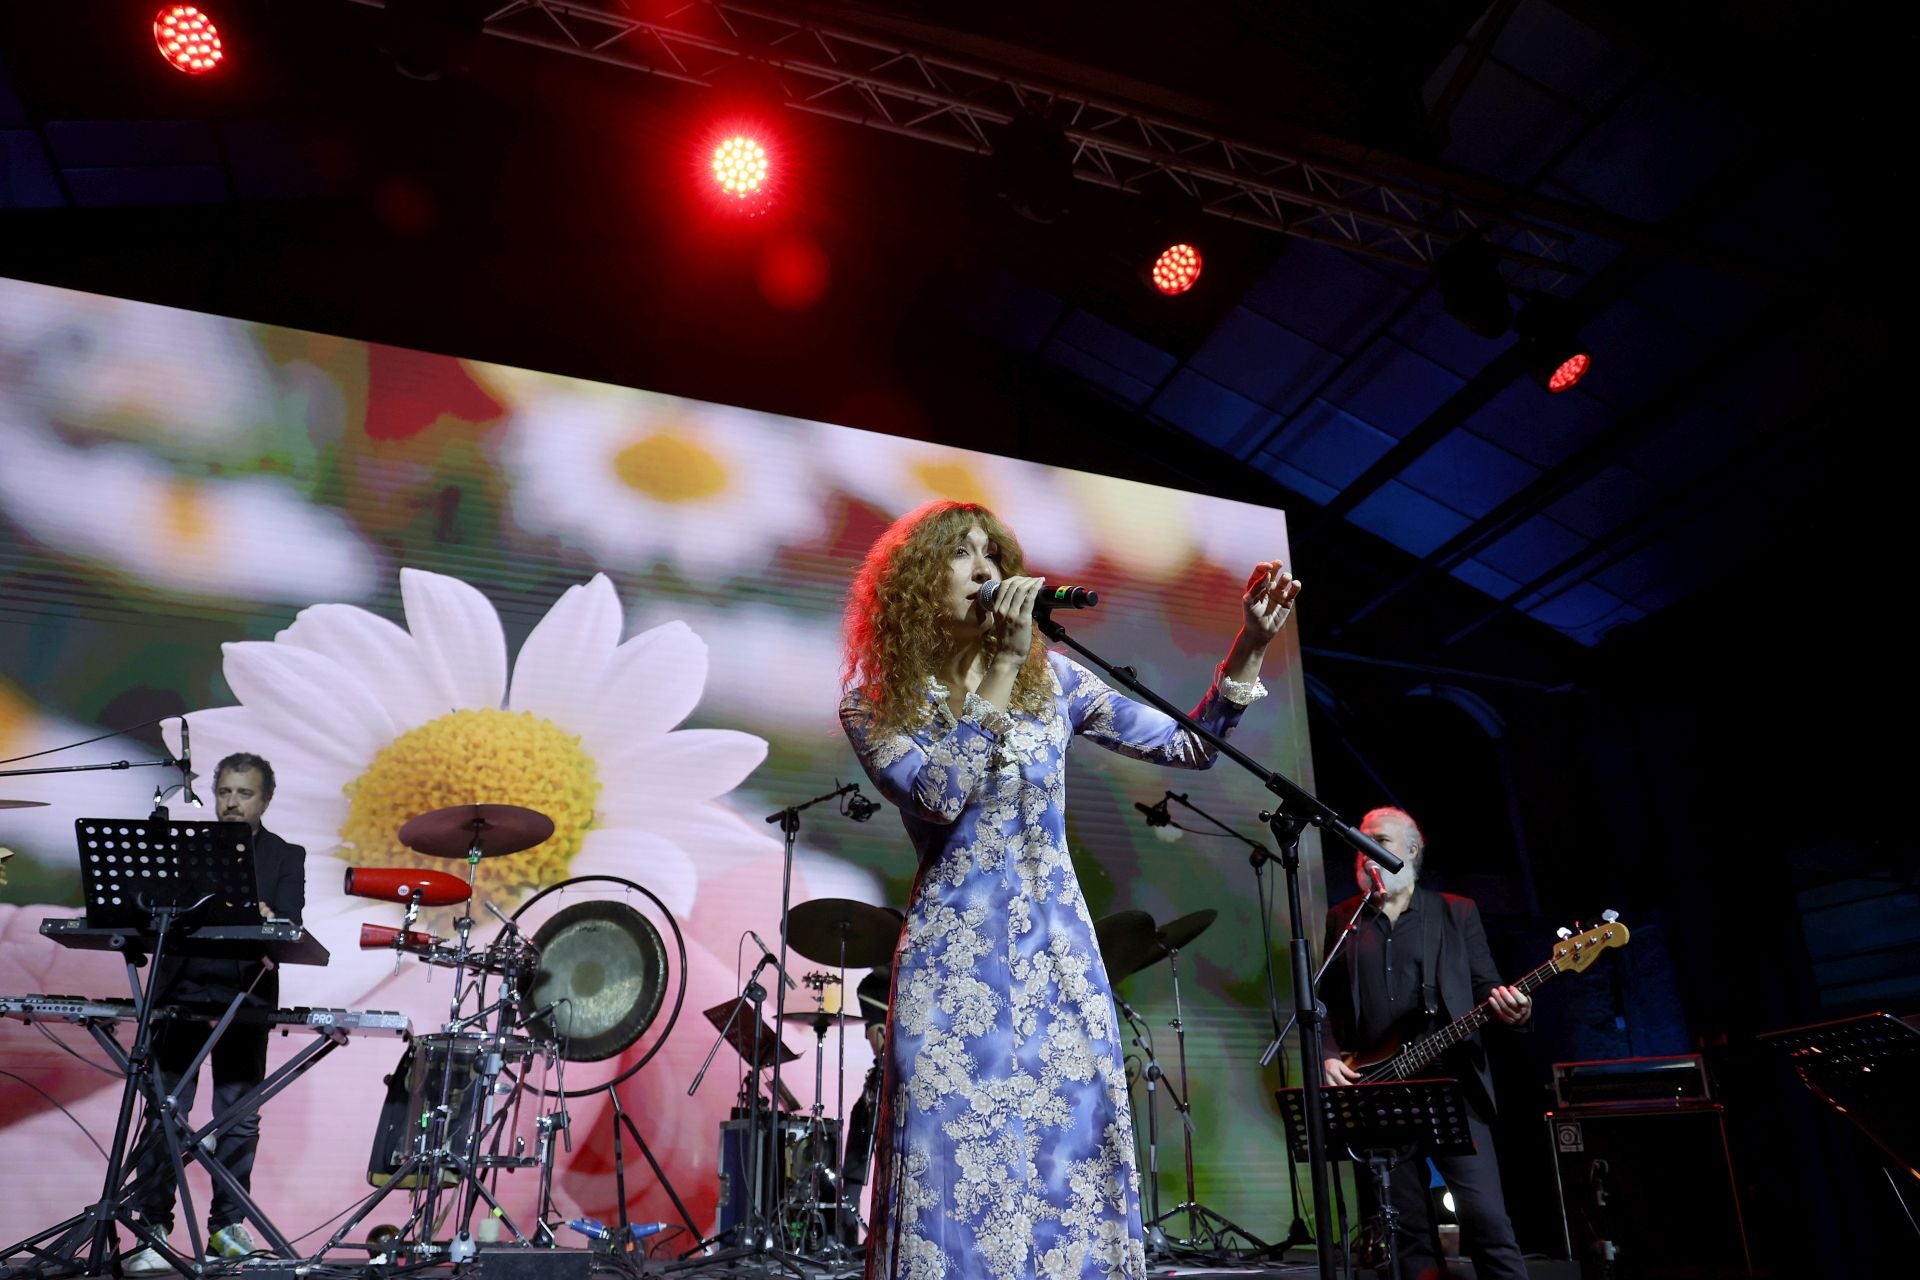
{"points": [[1150, 1072], [1217, 1227], [803, 1202]]}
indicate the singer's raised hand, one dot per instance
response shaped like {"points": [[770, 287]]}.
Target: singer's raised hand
{"points": [[1010, 619], [1268, 602]]}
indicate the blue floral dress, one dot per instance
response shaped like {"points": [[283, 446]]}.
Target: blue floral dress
{"points": [[1005, 1142]]}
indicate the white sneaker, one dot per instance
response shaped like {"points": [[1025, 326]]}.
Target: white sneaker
{"points": [[147, 1262], [232, 1241]]}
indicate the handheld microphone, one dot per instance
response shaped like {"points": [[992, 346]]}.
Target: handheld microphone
{"points": [[1049, 599], [768, 953], [186, 765]]}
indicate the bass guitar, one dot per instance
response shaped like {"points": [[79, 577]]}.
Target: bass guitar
{"points": [[1572, 954]]}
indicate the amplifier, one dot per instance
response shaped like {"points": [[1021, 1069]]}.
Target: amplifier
{"points": [[1651, 1189], [1631, 1081]]}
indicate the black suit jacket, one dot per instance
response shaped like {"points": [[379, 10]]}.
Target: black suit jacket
{"points": [[1466, 976], [280, 869]]}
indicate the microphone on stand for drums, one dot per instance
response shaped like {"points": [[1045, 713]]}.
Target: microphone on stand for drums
{"points": [[768, 953]]}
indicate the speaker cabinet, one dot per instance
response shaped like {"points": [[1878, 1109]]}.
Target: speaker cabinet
{"points": [[1648, 1193]]}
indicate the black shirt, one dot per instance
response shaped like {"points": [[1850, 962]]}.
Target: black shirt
{"points": [[1390, 959], [280, 871]]}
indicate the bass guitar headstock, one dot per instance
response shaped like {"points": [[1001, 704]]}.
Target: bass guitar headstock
{"points": [[1575, 951]]}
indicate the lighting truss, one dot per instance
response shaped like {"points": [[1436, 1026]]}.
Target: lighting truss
{"points": [[880, 81]]}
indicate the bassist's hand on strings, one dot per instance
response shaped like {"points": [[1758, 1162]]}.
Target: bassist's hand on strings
{"points": [[1338, 1072], [1511, 1005]]}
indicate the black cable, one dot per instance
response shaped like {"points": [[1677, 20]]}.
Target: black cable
{"points": [[63, 1111], [68, 1049], [111, 733]]}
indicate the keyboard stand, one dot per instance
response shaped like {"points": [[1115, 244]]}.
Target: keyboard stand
{"points": [[86, 1243]]}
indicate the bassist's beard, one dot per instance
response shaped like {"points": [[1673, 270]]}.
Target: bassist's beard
{"points": [[1392, 881]]}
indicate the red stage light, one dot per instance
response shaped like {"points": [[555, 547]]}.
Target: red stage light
{"points": [[1570, 371], [741, 168], [1176, 269], [187, 38]]}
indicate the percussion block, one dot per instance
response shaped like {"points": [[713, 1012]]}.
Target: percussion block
{"points": [[513, 1262]]}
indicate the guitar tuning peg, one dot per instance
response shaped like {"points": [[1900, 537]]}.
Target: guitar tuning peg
{"points": [[1609, 915], [1563, 933]]}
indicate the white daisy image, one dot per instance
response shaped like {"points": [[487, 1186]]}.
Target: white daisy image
{"points": [[748, 639], [369, 724], [179, 379], [894, 475], [634, 479], [244, 538]]}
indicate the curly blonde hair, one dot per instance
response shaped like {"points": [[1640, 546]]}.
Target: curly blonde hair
{"points": [[896, 628]]}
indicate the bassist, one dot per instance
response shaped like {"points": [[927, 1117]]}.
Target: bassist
{"points": [[1417, 961]]}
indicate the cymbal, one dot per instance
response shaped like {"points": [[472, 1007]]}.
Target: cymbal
{"points": [[23, 804], [1176, 934], [815, 929], [818, 1019], [1127, 943], [496, 829]]}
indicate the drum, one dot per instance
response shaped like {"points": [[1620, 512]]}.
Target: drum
{"points": [[796, 1152], [413, 1091]]}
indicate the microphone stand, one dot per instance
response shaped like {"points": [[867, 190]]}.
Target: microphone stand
{"points": [[159, 794], [1297, 809], [1325, 964], [1297, 1232]]}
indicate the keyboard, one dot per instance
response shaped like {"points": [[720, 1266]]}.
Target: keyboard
{"points": [[82, 1009]]}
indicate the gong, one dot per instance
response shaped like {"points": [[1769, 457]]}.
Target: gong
{"points": [[599, 978]]}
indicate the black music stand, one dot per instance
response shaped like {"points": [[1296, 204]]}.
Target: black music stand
{"points": [[152, 876], [1868, 1069], [1382, 1124], [129, 868]]}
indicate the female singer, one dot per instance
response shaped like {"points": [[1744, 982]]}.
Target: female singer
{"points": [[1006, 1143]]}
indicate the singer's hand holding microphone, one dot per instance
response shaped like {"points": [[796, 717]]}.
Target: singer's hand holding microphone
{"points": [[1009, 607]]}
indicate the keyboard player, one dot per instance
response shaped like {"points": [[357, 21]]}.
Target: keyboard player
{"points": [[242, 787]]}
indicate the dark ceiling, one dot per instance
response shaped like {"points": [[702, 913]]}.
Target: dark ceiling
{"points": [[1683, 183]]}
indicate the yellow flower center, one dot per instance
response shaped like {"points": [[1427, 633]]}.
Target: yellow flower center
{"points": [[670, 468], [476, 757], [15, 718], [184, 508], [951, 480]]}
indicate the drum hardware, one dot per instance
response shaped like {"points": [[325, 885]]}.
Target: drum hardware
{"points": [[811, 1159], [841, 932], [757, 1237], [454, 1134], [1129, 943]]}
